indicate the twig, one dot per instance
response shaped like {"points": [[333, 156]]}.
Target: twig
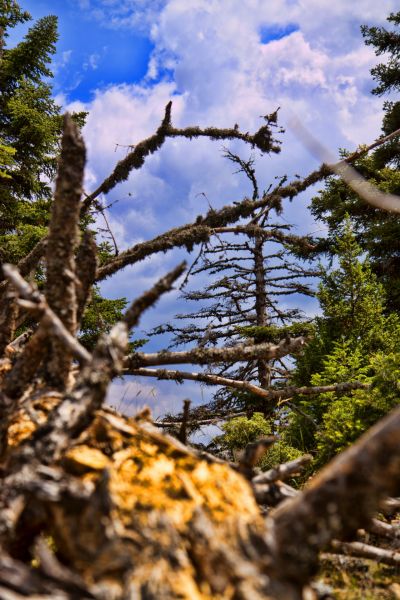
{"points": [[361, 550]]}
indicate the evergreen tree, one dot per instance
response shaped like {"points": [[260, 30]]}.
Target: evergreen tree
{"points": [[377, 232], [30, 129], [351, 338], [387, 76]]}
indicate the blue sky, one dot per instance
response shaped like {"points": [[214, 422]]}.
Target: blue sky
{"points": [[222, 62]]}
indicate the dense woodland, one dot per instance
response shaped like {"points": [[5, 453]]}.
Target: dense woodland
{"points": [[306, 472]]}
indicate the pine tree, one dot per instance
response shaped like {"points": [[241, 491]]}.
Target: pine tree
{"points": [[377, 232], [351, 337], [387, 76], [30, 129]]}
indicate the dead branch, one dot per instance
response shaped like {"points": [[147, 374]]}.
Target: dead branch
{"points": [[61, 245], [204, 356], [211, 421], [283, 471], [361, 550], [262, 139], [77, 408], [254, 230], [253, 453], [8, 318], [382, 529], [368, 192], [200, 231], [182, 436], [35, 302], [149, 298], [268, 394], [390, 506]]}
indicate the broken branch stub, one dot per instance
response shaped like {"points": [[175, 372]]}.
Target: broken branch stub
{"points": [[61, 246]]}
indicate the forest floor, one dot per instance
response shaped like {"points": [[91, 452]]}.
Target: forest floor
{"points": [[359, 579]]}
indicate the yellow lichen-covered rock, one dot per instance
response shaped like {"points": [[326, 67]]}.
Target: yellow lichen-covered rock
{"points": [[156, 520]]}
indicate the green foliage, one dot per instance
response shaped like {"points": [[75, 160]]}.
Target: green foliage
{"points": [[351, 337], [377, 232], [6, 160], [241, 431], [100, 315], [30, 129], [385, 42], [279, 453], [274, 334]]}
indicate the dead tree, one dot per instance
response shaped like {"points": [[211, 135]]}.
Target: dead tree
{"points": [[97, 505], [248, 268]]}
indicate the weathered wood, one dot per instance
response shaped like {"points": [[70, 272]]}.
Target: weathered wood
{"points": [[61, 246]]}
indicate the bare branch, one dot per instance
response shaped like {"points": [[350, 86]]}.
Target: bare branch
{"points": [[262, 139], [368, 192], [86, 267], [203, 227], [149, 298], [385, 530], [269, 394], [61, 246], [253, 230], [361, 550], [185, 420], [283, 471], [204, 356]]}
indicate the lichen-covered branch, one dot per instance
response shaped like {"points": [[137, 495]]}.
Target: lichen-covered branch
{"points": [[203, 356], [86, 268], [149, 298], [203, 227], [261, 139]]}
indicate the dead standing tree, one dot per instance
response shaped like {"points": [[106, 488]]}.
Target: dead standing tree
{"points": [[107, 506], [246, 271]]}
